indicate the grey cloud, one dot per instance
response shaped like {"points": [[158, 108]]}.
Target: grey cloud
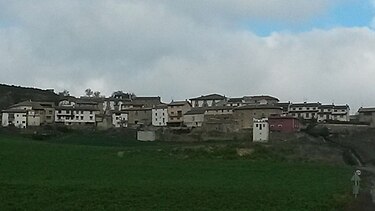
{"points": [[164, 48]]}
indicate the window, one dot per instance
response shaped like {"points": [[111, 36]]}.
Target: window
{"points": [[299, 108], [81, 117], [23, 122], [156, 114], [59, 112], [308, 108], [90, 112], [91, 118]]}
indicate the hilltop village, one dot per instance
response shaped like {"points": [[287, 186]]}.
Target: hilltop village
{"points": [[213, 112]]}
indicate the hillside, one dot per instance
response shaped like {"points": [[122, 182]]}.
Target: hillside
{"points": [[10, 95]]}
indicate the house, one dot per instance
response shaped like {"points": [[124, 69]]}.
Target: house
{"points": [[194, 117], [244, 115], [119, 119], [160, 115], [16, 117], [285, 106], [28, 113], [139, 116], [113, 104], [76, 115], [367, 116], [260, 100], [148, 102], [333, 112], [307, 111], [341, 113], [235, 102], [219, 122], [260, 130], [176, 110], [208, 100], [284, 124], [49, 112], [218, 110]]}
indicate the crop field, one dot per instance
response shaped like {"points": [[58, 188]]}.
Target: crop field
{"points": [[127, 175]]}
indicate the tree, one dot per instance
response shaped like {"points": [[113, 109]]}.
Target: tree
{"points": [[123, 95], [89, 92], [64, 93], [97, 94]]}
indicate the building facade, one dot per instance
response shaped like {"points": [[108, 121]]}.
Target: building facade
{"points": [[284, 124], [160, 115], [176, 111], [244, 115], [260, 130]]}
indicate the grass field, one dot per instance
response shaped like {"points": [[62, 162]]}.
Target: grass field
{"points": [[40, 175]]}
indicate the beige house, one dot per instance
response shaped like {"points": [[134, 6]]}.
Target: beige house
{"points": [[194, 117], [176, 111], [139, 116], [244, 115], [367, 116]]}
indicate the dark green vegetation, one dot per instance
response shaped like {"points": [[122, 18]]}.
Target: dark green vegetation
{"points": [[10, 95], [46, 175]]}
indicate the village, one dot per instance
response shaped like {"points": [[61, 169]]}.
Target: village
{"points": [[212, 112]]}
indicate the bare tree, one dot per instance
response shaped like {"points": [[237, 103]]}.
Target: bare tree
{"points": [[89, 92]]}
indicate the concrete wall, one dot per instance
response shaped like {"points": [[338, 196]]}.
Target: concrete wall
{"points": [[146, 136], [340, 128]]}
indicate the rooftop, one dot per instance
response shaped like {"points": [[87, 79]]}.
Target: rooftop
{"points": [[210, 97]]}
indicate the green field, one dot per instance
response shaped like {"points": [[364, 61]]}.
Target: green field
{"points": [[59, 175]]}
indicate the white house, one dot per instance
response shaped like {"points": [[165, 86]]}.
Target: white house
{"points": [[334, 113], [260, 130], [120, 119], [304, 110], [14, 117], [160, 115], [76, 115]]}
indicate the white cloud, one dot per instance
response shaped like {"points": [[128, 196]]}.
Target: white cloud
{"points": [[180, 50]]}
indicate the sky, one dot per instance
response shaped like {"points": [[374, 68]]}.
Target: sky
{"points": [[296, 50]]}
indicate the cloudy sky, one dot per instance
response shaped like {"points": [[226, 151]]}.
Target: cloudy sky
{"points": [[296, 50]]}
